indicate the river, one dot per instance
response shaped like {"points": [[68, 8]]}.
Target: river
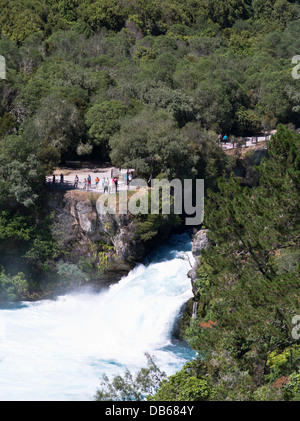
{"points": [[57, 350]]}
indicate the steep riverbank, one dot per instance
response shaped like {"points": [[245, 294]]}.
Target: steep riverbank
{"points": [[81, 231], [104, 247], [200, 242]]}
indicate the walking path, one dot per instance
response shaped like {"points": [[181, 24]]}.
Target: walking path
{"points": [[245, 142], [108, 173]]}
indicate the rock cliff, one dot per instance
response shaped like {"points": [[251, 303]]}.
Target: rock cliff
{"points": [[200, 242], [91, 239]]}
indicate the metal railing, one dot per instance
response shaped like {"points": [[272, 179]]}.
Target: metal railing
{"points": [[246, 142]]}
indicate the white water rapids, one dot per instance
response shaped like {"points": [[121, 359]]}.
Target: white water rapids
{"points": [[59, 349]]}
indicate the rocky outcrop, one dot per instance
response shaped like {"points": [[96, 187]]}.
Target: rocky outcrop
{"points": [[200, 242], [83, 233]]}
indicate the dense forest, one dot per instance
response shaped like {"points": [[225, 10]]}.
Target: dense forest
{"points": [[149, 85]]}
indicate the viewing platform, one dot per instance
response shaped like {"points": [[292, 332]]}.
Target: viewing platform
{"points": [[244, 142]]}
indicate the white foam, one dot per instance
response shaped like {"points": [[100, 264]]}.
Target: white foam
{"points": [[58, 350]]}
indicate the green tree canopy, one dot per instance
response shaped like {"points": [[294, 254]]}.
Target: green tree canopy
{"points": [[103, 121], [59, 123], [152, 143], [249, 296]]}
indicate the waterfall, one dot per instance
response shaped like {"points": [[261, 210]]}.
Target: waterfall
{"points": [[195, 308], [59, 349]]}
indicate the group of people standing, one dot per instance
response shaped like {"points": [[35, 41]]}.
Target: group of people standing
{"points": [[61, 179], [223, 138], [104, 182], [128, 178], [107, 184]]}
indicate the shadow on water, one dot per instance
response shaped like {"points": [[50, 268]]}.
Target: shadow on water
{"points": [[13, 306], [179, 346], [181, 350], [177, 243]]}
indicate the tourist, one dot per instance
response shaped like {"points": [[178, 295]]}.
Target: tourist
{"points": [[76, 181], [89, 182], [61, 178], [97, 181], [84, 184], [105, 189]]}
